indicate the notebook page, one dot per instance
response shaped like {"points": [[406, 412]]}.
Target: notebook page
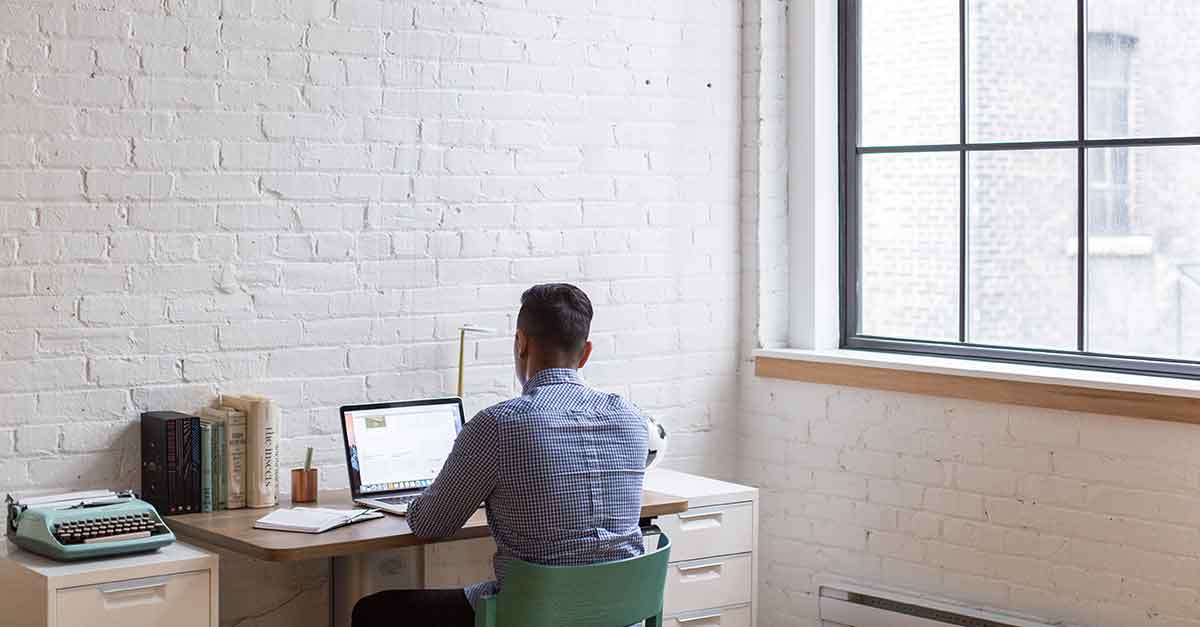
{"points": [[310, 519]]}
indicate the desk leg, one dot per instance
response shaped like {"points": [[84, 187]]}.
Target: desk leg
{"points": [[353, 577]]}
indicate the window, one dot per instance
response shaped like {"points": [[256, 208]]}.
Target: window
{"points": [[1019, 181], [1110, 56]]}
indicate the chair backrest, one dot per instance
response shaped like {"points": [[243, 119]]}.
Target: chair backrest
{"points": [[609, 594]]}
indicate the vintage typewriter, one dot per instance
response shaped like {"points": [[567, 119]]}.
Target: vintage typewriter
{"points": [[83, 525]]}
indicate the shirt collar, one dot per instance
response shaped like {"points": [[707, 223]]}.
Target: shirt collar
{"points": [[553, 376]]}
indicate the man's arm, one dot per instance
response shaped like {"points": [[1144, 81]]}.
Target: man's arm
{"points": [[466, 479]]}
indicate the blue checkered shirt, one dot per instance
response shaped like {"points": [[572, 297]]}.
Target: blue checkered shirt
{"points": [[559, 470]]}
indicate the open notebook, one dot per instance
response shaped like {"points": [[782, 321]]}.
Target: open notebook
{"points": [[313, 519]]}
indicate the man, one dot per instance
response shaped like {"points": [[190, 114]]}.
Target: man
{"points": [[558, 468]]}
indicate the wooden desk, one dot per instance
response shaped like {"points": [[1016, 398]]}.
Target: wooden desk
{"points": [[234, 530], [351, 548]]}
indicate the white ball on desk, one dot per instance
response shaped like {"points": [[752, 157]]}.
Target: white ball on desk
{"points": [[656, 442]]}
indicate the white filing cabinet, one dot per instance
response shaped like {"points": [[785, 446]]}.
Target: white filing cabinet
{"points": [[713, 577], [175, 586]]}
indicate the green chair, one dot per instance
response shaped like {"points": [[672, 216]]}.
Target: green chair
{"points": [[609, 594]]}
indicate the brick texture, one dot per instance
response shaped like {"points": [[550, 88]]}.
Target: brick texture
{"points": [[1077, 519], [1073, 519], [306, 198], [270, 198]]}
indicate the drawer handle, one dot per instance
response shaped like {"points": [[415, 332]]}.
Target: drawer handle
{"points": [[707, 571], [696, 619], [701, 515], [701, 520], [131, 586], [125, 594]]}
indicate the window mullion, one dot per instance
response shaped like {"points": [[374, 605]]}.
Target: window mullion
{"points": [[962, 171], [848, 206], [1081, 174]]}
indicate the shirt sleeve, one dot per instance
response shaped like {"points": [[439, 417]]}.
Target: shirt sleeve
{"points": [[466, 480]]}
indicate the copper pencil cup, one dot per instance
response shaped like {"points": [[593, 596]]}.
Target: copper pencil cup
{"points": [[304, 485]]}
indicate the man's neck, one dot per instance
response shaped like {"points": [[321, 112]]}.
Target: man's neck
{"points": [[534, 374], [551, 361]]}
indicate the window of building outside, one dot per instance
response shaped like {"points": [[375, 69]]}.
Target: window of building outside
{"points": [[1109, 60], [1020, 180]]}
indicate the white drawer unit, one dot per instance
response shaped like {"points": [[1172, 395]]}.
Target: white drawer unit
{"points": [[179, 600], [707, 531], [713, 577], [707, 583], [175, 586]]}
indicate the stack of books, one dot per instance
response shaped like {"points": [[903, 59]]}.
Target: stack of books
{"points": [[239, 453]]}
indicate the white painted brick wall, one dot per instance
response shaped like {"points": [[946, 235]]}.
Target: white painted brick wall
{"points": [[305, 198], [1079, 519], [376, 173]]}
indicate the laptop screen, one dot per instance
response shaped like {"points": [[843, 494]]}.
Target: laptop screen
{"points": [[400, 447]]}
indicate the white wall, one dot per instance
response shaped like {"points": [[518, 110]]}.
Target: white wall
{"points": [[305, 198], [307, 201], [375, 173], [1084, 519], [1077, 519]]}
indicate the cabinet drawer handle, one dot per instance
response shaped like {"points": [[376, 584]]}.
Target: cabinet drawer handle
{"points": [[131, 586], [713, 568], [696, 619], [126, 594], [702, 516], [701, 520]]}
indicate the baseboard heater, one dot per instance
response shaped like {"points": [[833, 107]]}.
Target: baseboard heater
{"points": [[855, 606]]}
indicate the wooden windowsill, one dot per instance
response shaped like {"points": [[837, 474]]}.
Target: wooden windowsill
{"points": [[1176, 400]]}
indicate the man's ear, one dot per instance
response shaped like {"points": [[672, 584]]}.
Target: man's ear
{"points": [[522, 344], [587, 353]]}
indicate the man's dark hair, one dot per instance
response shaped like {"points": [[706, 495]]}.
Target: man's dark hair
{"points": [[556, 315]]}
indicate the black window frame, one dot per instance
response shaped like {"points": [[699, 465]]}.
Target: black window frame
{"points": [[849, 154]]}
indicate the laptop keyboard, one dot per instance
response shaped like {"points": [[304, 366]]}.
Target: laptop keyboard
{"points": [[398, 500]]}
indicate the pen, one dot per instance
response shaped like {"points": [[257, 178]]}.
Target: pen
{"points": [[360, 514]]}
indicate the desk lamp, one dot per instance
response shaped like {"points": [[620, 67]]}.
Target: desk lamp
{"points": [[462, 348]]}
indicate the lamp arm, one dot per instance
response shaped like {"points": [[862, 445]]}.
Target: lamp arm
{"points": [[462, 350]]}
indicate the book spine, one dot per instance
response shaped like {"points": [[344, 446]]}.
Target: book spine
{"points": [[274, 432], [256, 426], [191, 462], [214, 477], [235, 461], [154, 463], [221, 476], [174, 492], [261, 455], [206, 461]]}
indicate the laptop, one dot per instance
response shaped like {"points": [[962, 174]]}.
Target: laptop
{"points": [[395, 450]]}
